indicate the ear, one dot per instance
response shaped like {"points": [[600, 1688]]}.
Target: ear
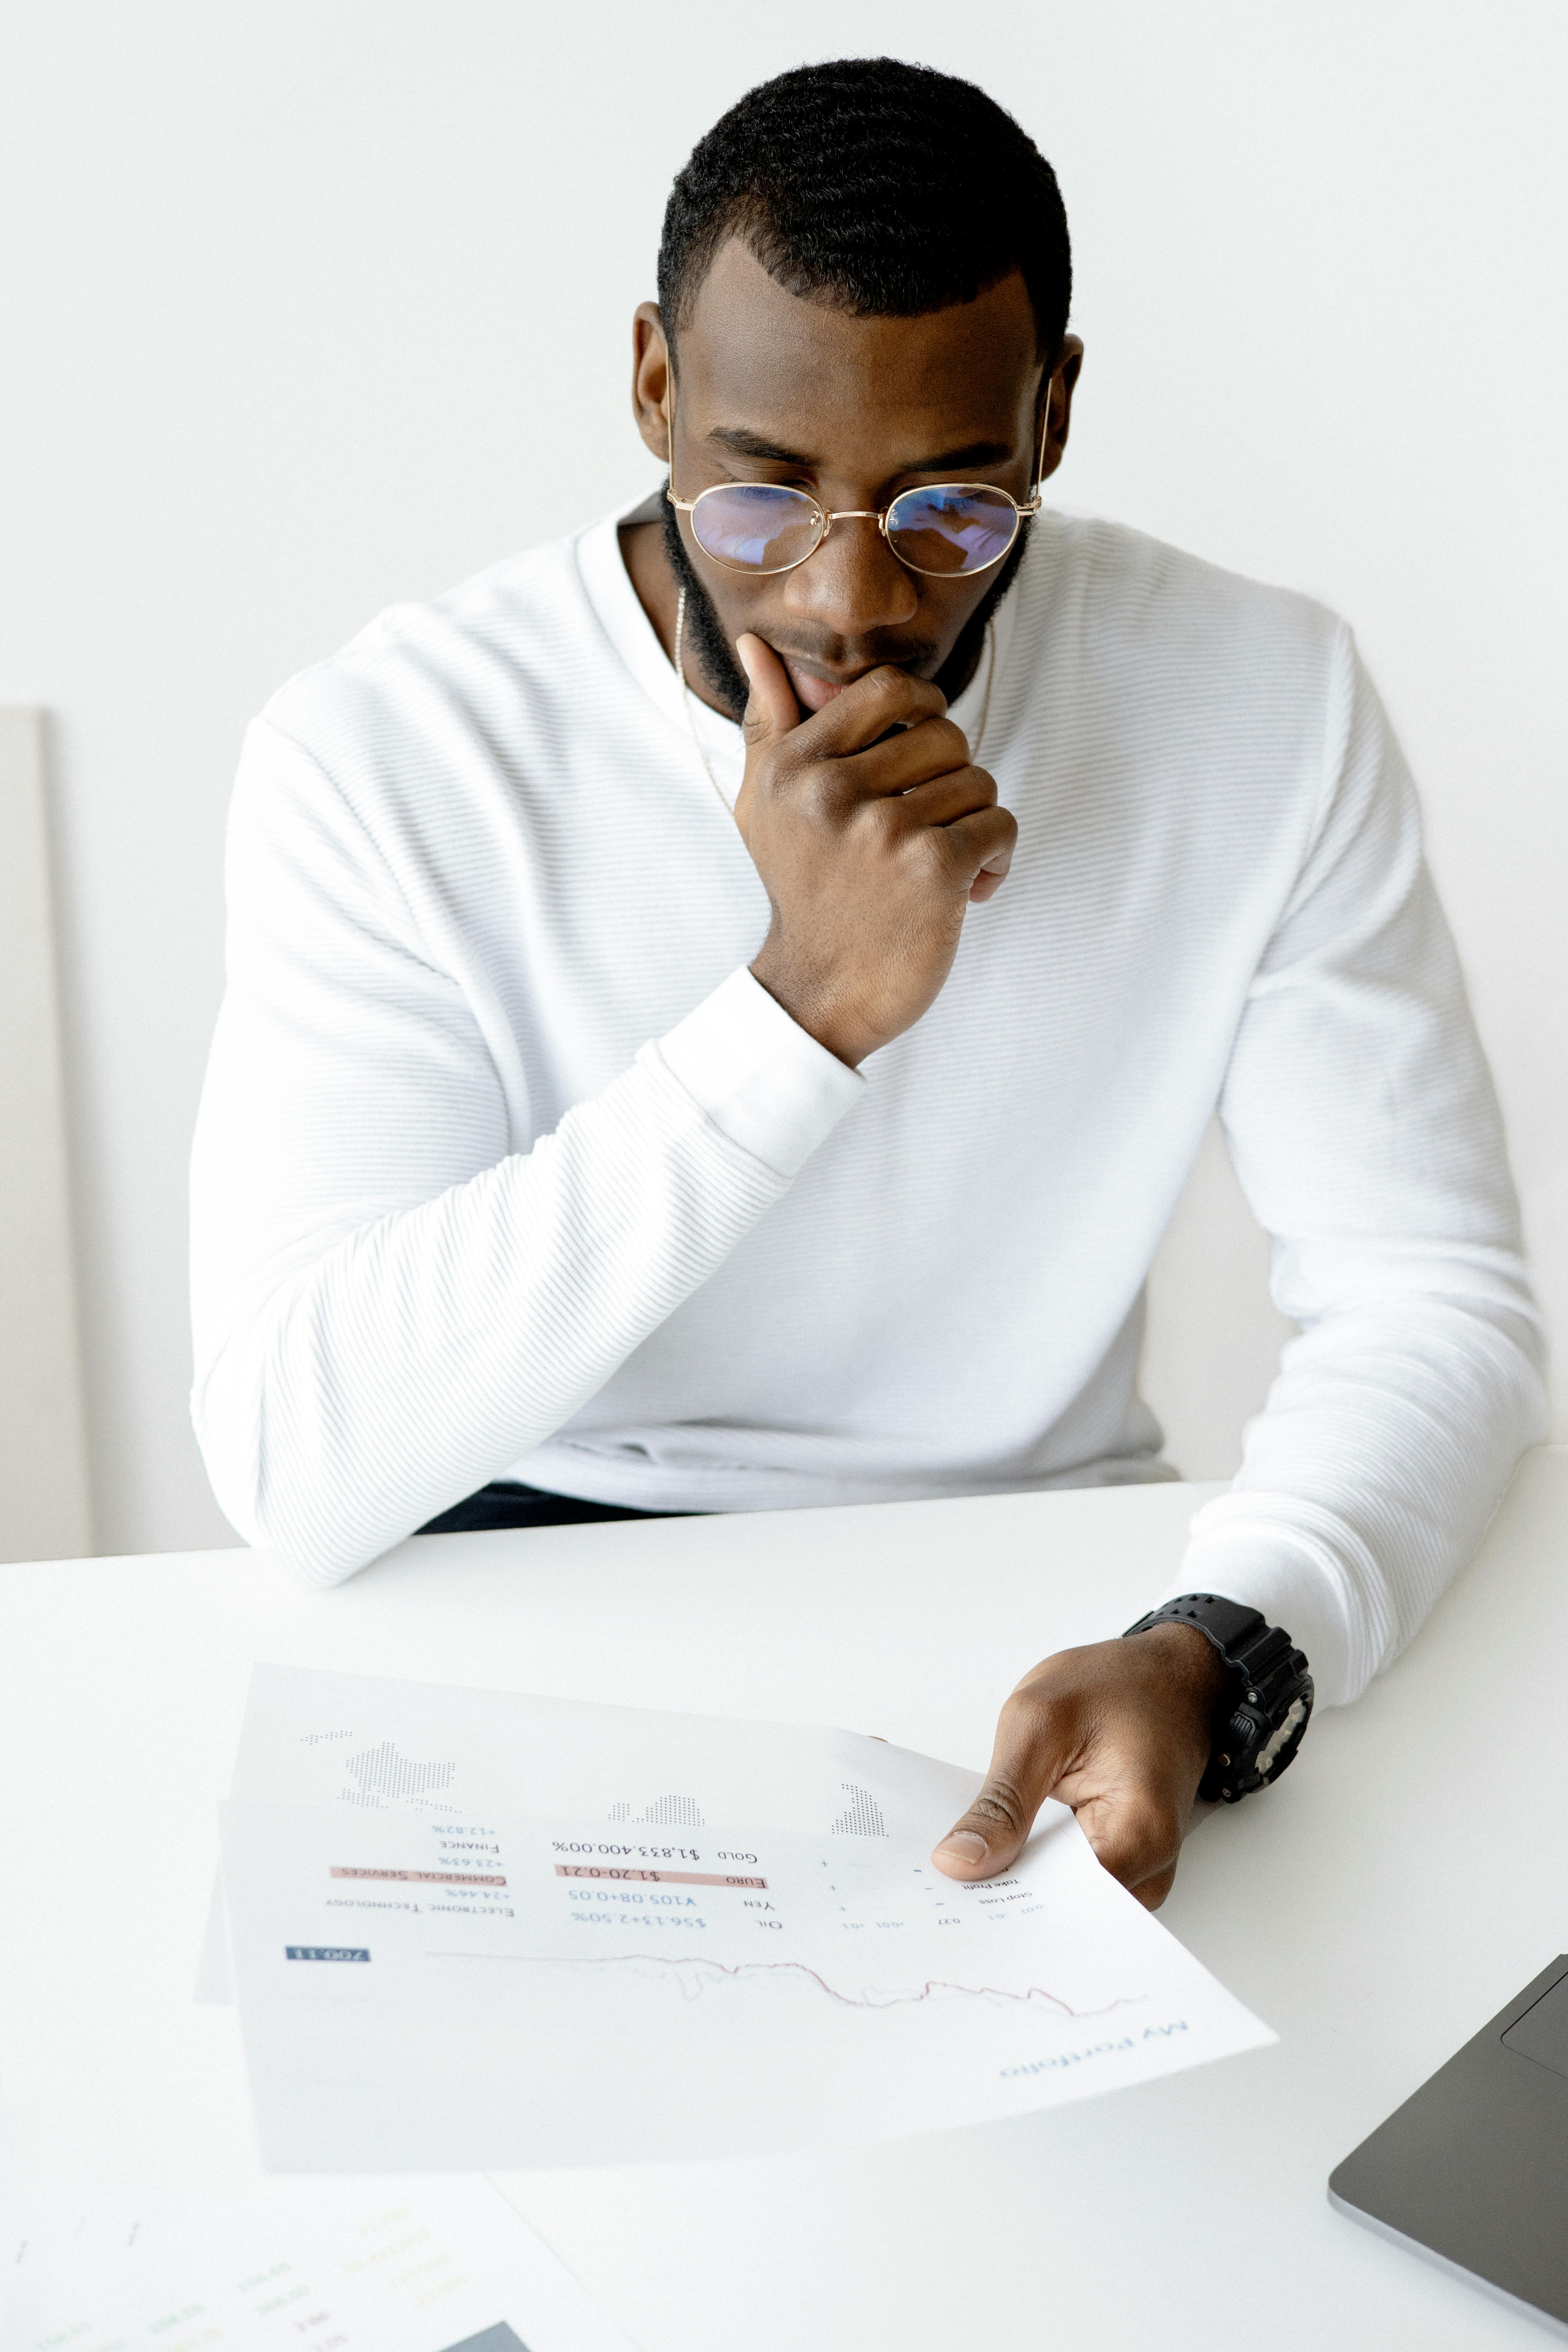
{"points": [[1062, 383], [650, 379]]}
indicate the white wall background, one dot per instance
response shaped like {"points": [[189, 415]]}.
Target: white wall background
{"points": [[308, 305]]}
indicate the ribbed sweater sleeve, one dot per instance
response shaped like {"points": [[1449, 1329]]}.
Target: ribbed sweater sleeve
{"points": [[391, 1303], [506, 1166], [1364, 1126]]}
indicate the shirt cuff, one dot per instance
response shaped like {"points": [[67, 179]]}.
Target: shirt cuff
{"points": [[1287, 1584], [761, 1078]]}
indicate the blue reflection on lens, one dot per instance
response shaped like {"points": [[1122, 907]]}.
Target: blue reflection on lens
{"points": [[962, 529], [756, 526]]}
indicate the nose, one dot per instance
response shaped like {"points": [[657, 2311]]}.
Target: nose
{"points": [[854, 583]]}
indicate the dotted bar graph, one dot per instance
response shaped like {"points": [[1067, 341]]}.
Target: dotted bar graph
{"points": [[663, 1812], [382, 1773], [667, 1810], [862, 1816]]}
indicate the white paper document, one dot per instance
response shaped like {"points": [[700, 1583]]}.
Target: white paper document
{"points": [[475, 1930], [442, 2266]]}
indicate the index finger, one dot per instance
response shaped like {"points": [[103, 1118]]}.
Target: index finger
{"points": [[882, 699]]}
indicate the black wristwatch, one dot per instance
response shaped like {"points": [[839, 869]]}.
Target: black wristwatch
{"points": [[1267, 1700]]}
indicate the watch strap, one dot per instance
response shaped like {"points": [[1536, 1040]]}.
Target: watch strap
{"points": [[1269, 1698], [1228, 1625]]}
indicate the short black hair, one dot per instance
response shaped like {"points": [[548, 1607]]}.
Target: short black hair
{"points": [[880, 188]]}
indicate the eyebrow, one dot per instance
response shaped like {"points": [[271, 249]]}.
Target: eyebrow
{"points": [[742, 442]]}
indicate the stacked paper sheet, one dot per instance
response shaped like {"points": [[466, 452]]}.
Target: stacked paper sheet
{"points": [[480, 1931], [349, 2267]]}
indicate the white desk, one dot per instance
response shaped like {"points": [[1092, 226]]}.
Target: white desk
{"points": [[1403, 1880]]}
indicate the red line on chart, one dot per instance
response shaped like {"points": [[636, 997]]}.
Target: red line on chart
{"points": [[774, 1968]]}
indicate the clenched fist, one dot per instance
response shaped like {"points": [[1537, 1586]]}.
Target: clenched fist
{"points": [[872, 833]]}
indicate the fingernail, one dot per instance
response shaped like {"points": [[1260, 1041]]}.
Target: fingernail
{"points": [[964, 1845]]}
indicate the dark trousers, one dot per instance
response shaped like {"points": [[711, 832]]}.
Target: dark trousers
{"points": [[506, 1506]]}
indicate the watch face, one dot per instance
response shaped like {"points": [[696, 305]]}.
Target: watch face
{"points": [[1282, 1744]]}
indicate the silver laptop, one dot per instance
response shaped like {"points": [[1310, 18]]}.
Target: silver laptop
{"points": [[1472, 2172]]}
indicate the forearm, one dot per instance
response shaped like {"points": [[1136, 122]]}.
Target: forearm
{"points": [[399, 1285], [1366, 1484], [424, 1351]]}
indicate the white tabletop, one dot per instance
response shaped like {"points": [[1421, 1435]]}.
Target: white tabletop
{"points": [[1398, 1887]]}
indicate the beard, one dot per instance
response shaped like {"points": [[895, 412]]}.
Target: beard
{"points": [[704, 631], [722, 673]]}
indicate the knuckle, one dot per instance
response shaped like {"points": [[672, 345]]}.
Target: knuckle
{"points": [[1028, 1727], [1024, 1710], [931, 852], [976, 787], [1001, 1805], [818, 794], [943, 740], [997, 840], [914, 699], [883, 819]]}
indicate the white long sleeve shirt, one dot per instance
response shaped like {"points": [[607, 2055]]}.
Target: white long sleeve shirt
{"points": [[506, 1167]]}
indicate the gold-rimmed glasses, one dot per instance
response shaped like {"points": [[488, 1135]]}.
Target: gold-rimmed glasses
{"points": [[944, 529]]}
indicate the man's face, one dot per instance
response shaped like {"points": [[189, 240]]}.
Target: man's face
{"points": [[775, 389]]}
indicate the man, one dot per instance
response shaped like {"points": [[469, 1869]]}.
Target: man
{"points": [[720, 1011]]}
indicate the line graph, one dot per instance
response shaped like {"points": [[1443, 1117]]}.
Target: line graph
{"points": [[701, 1965]]}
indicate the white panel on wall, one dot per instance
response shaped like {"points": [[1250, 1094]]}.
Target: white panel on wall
{"points": [[44, 1512]]}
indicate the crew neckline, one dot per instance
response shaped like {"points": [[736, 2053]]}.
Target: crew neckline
{"points": [[618, 608]]}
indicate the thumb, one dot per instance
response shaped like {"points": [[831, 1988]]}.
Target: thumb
{"points": [[772, 711], [1029, 1759]]}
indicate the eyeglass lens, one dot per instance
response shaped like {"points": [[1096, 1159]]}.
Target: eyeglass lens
{"points": [[756, 526], [949, 529], [952, 527]]}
